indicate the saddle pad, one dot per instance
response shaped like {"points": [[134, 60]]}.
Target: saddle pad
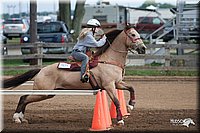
{"points": [[69, 66], [64, 65], [74, 66]]}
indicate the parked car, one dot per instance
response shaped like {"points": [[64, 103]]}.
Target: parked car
{"points": [[147, 25], [15, 27], [49, 32]]}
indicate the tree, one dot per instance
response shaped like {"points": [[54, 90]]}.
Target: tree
{"points": [[148, 3], [152, 2], [78, 17], [166, 5], [65, 14], [33, 29]]}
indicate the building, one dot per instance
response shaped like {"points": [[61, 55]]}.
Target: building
{"points": [[109, 15], [114, 16]]}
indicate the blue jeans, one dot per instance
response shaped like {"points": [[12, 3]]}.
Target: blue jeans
{"points": [[80, 56]]}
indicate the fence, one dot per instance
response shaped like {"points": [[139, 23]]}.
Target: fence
{"points": [[49, 92], [167, 56]]}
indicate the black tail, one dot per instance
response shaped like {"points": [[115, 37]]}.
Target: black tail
{"points": [[17, 80]]}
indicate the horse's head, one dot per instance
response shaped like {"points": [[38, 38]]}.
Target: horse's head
{"points": [[134, 41]]}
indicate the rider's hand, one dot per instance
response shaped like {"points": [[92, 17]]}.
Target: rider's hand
{"points": [[103, 36]]}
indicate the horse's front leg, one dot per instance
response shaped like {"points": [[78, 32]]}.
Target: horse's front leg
{"points": [[110, 89], [124, 86]]}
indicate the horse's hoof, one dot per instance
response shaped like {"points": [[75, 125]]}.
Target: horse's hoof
{"points": [[120, 123], [126, 116], [17, 121], [24, 121], [131, 107]]}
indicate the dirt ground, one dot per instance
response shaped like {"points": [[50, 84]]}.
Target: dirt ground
{"points": [[157, 105]]}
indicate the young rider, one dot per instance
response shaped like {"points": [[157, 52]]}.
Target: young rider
{"points": [[86, 40]]}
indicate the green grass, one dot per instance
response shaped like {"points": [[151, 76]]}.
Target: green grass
{"points": [[13, 62], [161, 73], [13, 41], [13, 72], [128, 72], [18, 62]]}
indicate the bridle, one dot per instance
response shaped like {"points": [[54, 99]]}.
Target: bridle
{"points": [[133, 40]]}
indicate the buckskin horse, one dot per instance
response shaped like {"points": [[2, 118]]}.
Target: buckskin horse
{"points": [[108, 73]]}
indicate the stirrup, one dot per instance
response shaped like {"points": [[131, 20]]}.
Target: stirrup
{"points": [[85, 78]]}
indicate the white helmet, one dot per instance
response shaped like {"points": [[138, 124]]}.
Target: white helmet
{"points": [[93, 22]]}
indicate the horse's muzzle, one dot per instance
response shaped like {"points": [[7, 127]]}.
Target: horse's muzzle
{"points": [[141, 50]]}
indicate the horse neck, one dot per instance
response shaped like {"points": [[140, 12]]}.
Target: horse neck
{"points": [[114, 52]]}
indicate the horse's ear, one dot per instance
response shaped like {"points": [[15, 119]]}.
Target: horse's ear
{"points": [[128, 26]]}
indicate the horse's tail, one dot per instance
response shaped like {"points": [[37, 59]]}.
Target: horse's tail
{"points": [[17, 80]]}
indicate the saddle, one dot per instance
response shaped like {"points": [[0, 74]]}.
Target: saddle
{"points": [[73, 65]]}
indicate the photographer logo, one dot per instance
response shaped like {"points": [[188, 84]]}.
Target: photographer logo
{"points": [[184, 122]]}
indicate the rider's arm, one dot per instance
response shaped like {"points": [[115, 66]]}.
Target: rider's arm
{"points": [[91, 42]]}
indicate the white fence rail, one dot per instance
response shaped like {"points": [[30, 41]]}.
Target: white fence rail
{"points": [[49, 92]]}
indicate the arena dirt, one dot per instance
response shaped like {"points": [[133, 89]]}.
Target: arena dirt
{"points": [[157, 104]]}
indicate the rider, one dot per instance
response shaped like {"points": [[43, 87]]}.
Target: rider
{"points": [[86, 40]]}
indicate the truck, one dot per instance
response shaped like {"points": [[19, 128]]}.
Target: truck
{"points": [[147, 25], [49, 32]]}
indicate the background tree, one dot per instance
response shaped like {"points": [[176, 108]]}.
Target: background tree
{"points": [[78, 17], [166, 5], [65, 14], [33, 29], [152, 2], [148, 3]]}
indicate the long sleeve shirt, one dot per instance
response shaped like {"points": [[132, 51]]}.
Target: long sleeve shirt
{"points": [[89, 42]]}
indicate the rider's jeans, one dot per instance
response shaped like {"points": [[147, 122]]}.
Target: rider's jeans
{"points": [[80, 56]]}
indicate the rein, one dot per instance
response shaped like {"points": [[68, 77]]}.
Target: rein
{"points": [[120, 51], [113, 63]]}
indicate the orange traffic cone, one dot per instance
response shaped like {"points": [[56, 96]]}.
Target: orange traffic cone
{"points": [[122, 103], [98, 121], [113, 113], [106, 110]]}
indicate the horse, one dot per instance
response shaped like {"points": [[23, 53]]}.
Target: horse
{"points": [[108, 73], [187, 122]]}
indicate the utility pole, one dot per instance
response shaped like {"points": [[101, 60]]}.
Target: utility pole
{"points": [[33, 29], [20, 15]]}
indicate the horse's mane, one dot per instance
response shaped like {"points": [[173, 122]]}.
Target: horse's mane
{"points": [[110, 38]]}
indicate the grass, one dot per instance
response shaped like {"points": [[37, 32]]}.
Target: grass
{"points": [[13, 72], [128, 72], [161, 73], [13, 41], [13, 62]]}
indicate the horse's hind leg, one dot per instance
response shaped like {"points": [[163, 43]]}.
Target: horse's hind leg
{"points": [[18, 116]]}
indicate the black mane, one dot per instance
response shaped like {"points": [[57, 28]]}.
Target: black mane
{"points": [[110, 38]]}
